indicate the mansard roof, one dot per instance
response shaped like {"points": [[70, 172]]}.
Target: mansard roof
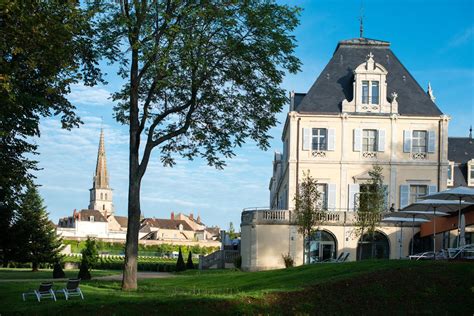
{"points": [[460, 149], [335, 83], [86, 214]]}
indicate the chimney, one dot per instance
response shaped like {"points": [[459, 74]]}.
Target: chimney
{"points": [[191, 216], [199, 219], [74, 213], [172, 216]]}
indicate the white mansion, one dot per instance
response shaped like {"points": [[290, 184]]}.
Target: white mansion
{"points": [[365, 108], [99, 219]]}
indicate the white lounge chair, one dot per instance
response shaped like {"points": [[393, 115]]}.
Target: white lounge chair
{"points": [[44, 291], [72, 289]]}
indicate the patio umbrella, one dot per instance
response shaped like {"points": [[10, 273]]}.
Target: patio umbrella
{"points": [[422, 212], [437, 206], [459, 194], [462, 231], [402, 220]]}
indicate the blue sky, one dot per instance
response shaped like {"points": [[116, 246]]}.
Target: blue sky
{"points": [[433, 39]]}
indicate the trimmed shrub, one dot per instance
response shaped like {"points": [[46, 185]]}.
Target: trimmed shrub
{"points": [[58, 272], [189, 263], [90, 258], [180, 266]]}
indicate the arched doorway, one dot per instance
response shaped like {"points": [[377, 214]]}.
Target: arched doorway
{"points": [[322, 246], [377, 247]]}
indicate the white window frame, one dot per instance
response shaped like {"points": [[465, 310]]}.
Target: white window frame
{"points": [[470, 171], [417, 194], [319, 136], [374, 139], [413, 138], [369, 97], [450, 181]]}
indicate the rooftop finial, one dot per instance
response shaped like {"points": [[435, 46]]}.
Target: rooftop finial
{"points": [[361, 20], [430, 92], [470, 132]]}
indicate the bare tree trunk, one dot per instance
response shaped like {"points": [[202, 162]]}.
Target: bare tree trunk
{"points": [[129, 281], [34, 266]]}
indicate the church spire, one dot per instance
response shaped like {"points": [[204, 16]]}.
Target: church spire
{"points": [[101, 177]]}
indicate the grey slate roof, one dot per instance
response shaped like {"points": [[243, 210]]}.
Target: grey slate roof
{"points": [[334, 84], [460, 151]]}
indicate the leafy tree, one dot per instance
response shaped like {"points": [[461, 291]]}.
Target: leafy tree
{"points": [[232, 233], [189, 263], [90, 257], [201, 78], [370, 205], [35, 235], [45, 47], [308, 212], [180, 266]]}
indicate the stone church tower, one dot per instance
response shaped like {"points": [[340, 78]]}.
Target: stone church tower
{"points": [[101, 193]]}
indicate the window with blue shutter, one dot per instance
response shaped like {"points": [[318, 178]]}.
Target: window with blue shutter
{"points": [[406, 141], [306, 138], [404, 195], [331, 197], [331, 139], [431, 141], [357, 139]]}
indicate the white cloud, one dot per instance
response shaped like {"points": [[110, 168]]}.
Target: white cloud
{"points": [[84, 95]]}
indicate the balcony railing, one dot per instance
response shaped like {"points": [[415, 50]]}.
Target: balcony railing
{"points": [[286, 217]]}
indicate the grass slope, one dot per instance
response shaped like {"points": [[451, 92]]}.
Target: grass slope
{"points": [[371, 287]]}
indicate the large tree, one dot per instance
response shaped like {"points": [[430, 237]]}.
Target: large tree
{"points": [[34, 233], [45, 47], [201, 78], [309, 211]]}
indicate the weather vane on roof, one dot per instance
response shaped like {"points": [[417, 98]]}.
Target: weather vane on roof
{"points": [[361, 20]]}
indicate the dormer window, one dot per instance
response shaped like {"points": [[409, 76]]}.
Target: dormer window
{"points": [[370, 90]]}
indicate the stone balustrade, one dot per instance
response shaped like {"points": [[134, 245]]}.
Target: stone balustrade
{"points": [[285, 217]]}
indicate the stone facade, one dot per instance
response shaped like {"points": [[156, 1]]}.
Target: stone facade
{"points": [[364, 109]]}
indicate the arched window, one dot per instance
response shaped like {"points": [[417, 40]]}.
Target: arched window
{"points": [[102, 196], [106, 196], [103, 207], [322, 246], [376, 247]]}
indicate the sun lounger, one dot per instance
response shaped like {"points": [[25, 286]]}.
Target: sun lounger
{"points": [[72, 289], [44, 291]]}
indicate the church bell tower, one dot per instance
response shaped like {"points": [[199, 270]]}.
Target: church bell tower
{"points": [[101, 193]]}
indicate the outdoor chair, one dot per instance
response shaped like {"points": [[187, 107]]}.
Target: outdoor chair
{"points": [[344, 258], [44, 291], [332, 259], [72, 289]]}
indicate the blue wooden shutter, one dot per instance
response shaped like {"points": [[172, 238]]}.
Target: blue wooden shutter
{"points": [[381, 140], [432, 189], [406, 141], [306, 138], [357, 139], [431, 141], [331, 139], [331, 196], [353, 191], [404, 195]]}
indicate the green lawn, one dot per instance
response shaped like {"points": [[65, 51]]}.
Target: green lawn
{"points": [[25, 274], [371, 287]]}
